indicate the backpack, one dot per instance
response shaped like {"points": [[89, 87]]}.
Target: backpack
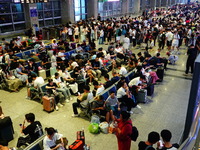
{"points": [[119, 32], [134, 135]]}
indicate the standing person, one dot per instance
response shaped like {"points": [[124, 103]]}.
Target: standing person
{"points": [[49, 142], [76, 34], [123, 131], [166, 137], [153, 138], [33, 130], [192, 54], [101, 37], [169, 37], [175, 41], [161, 40]]}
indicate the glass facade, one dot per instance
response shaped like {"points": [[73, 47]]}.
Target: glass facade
{"points": [[11, 17], [109, 9], [80, 9], [49, 13]]}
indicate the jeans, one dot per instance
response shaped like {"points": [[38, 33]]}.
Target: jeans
{"points": [[101, 39]]}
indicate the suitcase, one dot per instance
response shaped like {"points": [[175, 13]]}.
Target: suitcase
{"points": [[42, 73], [77, 145], [142, 96], [150, 90], [48, 103], [52, 71], [81, 136], [160, 73]]}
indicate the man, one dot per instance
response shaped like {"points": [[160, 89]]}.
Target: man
{"points": [[153, 138], [175, 41], [82, 100], [96, 65], [169, 38], [192, 54], [37, 82], [108, 82], [62, 87], [33, 130], [99, 88], [166, 137], [122, 70]]}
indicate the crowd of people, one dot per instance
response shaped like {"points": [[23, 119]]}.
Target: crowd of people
{"points": [[171, 28]]}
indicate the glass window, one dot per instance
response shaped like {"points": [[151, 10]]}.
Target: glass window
{"points": [[58, 21], [57, 13], [7, 28], [49, 22], [48, 14], [77, 11], [4, 8], [17, 8], [5, 18], [39, 6], [83, 10], [40, 15], [77, 3], [77, 18], [83, 16], [83, 3], [56, 5], [41, 23], [47, 6], [18, 17], [20, 26]]}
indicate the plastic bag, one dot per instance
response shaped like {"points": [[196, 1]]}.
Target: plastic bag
{"points": [[95, 119], [104, 127], [93, 128]]}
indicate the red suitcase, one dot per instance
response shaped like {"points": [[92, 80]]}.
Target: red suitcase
{"points": [[81, 136], [77, 145], [48, 103]]}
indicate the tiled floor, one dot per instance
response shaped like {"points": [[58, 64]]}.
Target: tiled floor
{"points": [[166, 110]]}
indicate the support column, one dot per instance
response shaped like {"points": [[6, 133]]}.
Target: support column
{"points": [[67, 11], [136, 6], [153, 4], [92, 8], [169, 3], [143, 7], [164, 3], [158, 3], [173, 2], [31, 15], [125, 7]]}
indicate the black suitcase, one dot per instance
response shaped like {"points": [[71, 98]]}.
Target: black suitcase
{"points": [[141, 96], [150, 90], [160, 73]]}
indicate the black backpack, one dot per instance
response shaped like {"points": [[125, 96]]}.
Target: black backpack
{"points": [[134, 135]]}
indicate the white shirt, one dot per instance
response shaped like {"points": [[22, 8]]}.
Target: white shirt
{"points": [[61, 54], [70, 31], [76, 31], [99, 90], [135, 81], [74, 64], [123, 71], [169, 36], [38, 81], [121, 92], [47, 143]]}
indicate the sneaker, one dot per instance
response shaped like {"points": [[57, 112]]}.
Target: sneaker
{"points": [[67, 101], [70, 98], [138, 106], [75, 115], [60, 105], [130, 112], [185, 74], [56, 108]]}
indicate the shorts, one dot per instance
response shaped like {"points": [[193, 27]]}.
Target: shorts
{"points": [[169, 43], [76, 36], [175, 44], [118, 38]]}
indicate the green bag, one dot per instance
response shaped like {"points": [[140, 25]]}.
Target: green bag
{"points": [[93, 128]]}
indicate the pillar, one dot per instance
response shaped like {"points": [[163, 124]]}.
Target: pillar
{"points": [[92, 8], [143, 5], [125, 7], [136, 6], [153, 4], [67, 11], [169, 2], [158, 3], [31, 15]]}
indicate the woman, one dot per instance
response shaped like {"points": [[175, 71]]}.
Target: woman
{"points": [[50, 140], [123, 131], [19, 73]]}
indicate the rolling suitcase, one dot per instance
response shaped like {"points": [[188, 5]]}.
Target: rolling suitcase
{"points": [[81, 136], [52, 71], [150, 90], [142, 96], [73, 45], [160, 73], [48, 103], [42, 73], [77, 145]]}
